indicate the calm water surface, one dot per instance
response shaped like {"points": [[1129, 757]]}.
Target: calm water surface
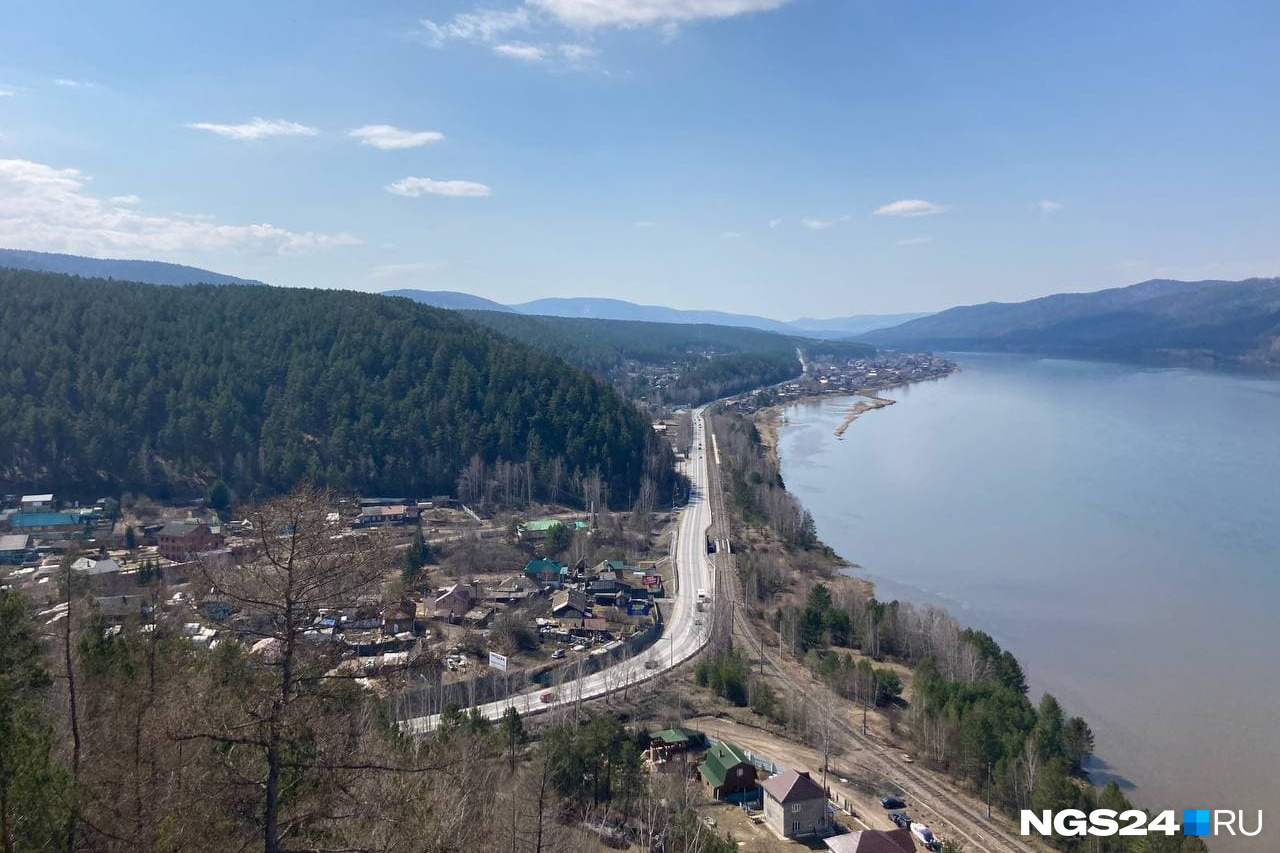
{"points": [[1117, 528]]}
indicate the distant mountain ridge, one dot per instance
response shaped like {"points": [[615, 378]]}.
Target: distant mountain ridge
{"points": [[146, 272], [1210, 323], [452, 300], [602, 308]]}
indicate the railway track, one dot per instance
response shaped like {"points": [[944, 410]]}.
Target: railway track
{"points": [[928, 798]]}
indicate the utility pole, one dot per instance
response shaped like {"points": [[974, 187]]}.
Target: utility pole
{"points": [[988, 790]]}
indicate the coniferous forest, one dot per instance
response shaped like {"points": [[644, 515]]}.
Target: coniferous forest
{"points": [[110, 386]]}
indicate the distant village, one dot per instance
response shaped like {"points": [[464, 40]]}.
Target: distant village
{"points": [[852, 376]]}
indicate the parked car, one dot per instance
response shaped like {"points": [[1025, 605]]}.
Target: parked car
{"points": [[902, 820], [557, 654], [926, 836], [548, 697], [893, 802]]}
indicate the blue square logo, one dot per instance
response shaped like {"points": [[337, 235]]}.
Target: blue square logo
{"points": [[1197, 822]]}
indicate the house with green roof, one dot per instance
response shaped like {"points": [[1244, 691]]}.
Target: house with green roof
{"points": [[728, 773], [545, 570], [677, 739]]}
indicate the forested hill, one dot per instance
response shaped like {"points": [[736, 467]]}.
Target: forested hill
{"points": [[148, 272], [1234, 323], [119, 386]]}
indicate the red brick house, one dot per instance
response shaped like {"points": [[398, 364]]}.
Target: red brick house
{"points": [[180, 540]]}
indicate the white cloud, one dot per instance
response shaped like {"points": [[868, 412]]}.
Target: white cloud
{"points": [[1046, 206], [643, 223], [640, 13], [909, 207], [521, 51], [74, 84], [414, 187], [813, 223], [6, 92], [774, 223], [390, 138], [125, 199], [914, 241], [577, 54], [481, 25], [732, 235], [45, 208], [256, 128], [396, 270]]}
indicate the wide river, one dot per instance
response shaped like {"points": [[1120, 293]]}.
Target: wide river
{"points": [[1117, 528]]}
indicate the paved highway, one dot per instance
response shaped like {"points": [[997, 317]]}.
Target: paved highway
{"points": [[686, 630]]}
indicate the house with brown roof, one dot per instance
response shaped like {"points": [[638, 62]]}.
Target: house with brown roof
{"points": [[873, 841], [453, 601], [795, 806]]}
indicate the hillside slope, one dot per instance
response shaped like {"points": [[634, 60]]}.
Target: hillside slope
{"points": [[114, 386], [147, 272], [1200, 322]]}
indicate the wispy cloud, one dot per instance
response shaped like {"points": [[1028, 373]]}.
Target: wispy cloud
{"points": [[1047, 206], [47, 208], [572, 56], [480, 25], [577, 54], [732, 235], [397, 270], [68, 83], [909, 207], [813, 223], [521, 50], [125, 199], [255, 128], [390, 138], [414, 187], [642, 223], [914, 241], [6, 92], [641, 13], [774, 223]]}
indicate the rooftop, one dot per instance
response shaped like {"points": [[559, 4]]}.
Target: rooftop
{"points": [[793, 786], [720, 759], [873, 841]]}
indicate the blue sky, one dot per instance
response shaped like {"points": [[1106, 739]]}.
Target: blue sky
{"points": [[782, 157]]}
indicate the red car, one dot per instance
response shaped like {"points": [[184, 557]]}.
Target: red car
{"points": [[549, 696]]}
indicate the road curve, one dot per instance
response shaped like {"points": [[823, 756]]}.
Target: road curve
{"points": [[682, 636]]}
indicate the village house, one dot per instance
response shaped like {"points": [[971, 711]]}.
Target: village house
{"points": [[452, 602], [14, 548], [873, 841], [569, 604], [795, 806], [545, 570], [510, 591], [668, 742], [728, 773], [37, 503], [181, 540]]}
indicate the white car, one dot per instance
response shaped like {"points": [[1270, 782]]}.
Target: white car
{"points": [[926, 836]]}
